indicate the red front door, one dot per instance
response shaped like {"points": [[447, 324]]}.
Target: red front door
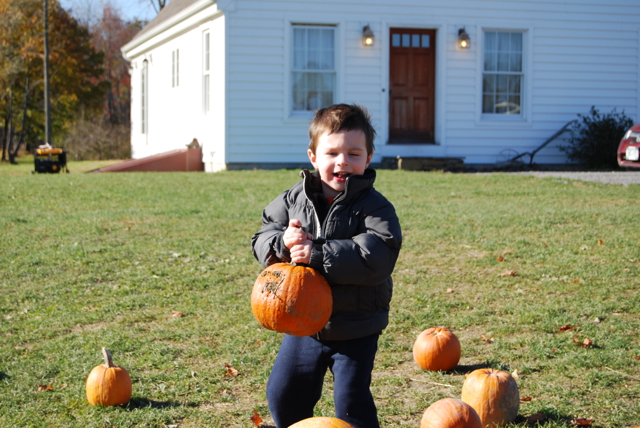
{"points": [[412, 86]]}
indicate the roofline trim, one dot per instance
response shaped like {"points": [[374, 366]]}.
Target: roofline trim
{"points": [[163, 26]]}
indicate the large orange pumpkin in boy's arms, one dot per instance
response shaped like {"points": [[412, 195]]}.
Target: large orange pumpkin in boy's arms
{"points": [[292, 299], [322, 422]]}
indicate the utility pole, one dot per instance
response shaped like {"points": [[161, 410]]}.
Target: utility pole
{"points": [[47, 101]]}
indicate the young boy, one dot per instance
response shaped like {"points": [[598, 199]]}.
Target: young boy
{"points": [[335, 222]]}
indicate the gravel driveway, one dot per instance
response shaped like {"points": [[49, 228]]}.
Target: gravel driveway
{"points": [[607, 177]]}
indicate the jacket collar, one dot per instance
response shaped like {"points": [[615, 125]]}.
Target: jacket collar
{"points": [[355, 184]]}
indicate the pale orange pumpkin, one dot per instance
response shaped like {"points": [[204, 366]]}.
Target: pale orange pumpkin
{"points": [[437, 348], [108, 384], [322, 422], [493, 394], [292, 299], [450, 413]]}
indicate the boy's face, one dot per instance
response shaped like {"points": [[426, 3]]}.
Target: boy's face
{"points": [[339, 156]]}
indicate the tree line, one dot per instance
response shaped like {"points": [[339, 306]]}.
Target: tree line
{"points": [[89, 81]]}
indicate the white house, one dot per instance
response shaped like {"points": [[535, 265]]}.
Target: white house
{"points": [[244, 76]]}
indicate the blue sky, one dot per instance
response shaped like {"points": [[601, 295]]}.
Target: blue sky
{"points": [[130, 9]]}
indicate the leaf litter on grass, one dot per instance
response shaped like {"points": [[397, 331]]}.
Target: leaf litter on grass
{"points": [[115, 286]]}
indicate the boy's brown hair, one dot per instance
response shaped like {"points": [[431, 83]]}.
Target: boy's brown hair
{"points": [[341, 117]]}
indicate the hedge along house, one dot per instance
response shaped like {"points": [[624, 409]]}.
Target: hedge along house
{"points": [[243, 77]]}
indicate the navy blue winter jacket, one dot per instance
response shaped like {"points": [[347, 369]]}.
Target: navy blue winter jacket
{"points": [[356, 244]]}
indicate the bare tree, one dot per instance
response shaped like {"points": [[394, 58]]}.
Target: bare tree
{"points": [[158, 4]]}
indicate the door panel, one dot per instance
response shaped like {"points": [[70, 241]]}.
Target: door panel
{"points": [[412, 86], [421, 114], [400, 70], [400, 111]]}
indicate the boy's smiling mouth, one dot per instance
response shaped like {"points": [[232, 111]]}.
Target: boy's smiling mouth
{"points": [[341, 175]]}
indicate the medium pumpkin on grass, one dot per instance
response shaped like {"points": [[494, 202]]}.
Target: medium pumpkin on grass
{"points": [[436, 349], [493, 394], [292, 299], [108, 384], [450, 413], [322, 422]]}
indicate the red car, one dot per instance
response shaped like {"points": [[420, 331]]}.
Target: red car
{"points": [[629, 148]]}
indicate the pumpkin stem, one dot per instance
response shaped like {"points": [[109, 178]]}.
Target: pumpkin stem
{"points": [[108, 360]]}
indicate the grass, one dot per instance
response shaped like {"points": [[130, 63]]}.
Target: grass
{"points": [[157, 267], [26, 166]]}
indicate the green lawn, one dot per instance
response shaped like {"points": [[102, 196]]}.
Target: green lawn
{"points": [[157, 267]]}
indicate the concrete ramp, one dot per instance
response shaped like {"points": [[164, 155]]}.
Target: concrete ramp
{"points": [[185, 160]]}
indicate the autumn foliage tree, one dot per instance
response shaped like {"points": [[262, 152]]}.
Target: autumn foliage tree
{"points": [[107, 135], [76, 68], [108, 35]]}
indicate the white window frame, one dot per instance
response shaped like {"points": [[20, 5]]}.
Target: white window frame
{"points": [[175, 68], [206, 71], [144, 97], [525, 95], [292, 25]]}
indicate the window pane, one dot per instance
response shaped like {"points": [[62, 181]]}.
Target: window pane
{"points": [[406, 40], [395, 40], [503, 61], [487, 104], [299, 47], [312, 91], [490, 61], [502, 84], [313, 49], [415, 40], [516, 42], [489, 83], [514, 105], [490, 41], [327, 50], [514, 85], [515, 60], [501, 104], [426, 41], [502, 42]]}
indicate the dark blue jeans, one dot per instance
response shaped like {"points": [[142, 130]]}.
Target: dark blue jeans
{"points": [[295, 383]]}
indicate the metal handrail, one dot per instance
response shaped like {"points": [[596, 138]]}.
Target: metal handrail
{"points": [[553, 137]]}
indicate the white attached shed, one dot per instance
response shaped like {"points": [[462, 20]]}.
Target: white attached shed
{"points": [[243, 77]]}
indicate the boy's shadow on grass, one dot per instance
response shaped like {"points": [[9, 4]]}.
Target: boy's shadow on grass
{"points": [[142, 403], [4, 376]]}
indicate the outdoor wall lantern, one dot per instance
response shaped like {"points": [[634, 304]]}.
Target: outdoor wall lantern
{"points": [[367, 36], [464, 42]]}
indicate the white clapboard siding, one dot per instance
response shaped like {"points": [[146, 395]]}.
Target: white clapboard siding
{"points": [[577, 54]]}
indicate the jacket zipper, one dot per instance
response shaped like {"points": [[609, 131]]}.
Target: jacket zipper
{"points": [[316, 219]]}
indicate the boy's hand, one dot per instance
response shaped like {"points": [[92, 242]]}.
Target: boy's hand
{"points": [[301, 253], [294, 235]]}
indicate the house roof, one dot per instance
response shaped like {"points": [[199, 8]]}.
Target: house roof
{"points": [[171, 9]]}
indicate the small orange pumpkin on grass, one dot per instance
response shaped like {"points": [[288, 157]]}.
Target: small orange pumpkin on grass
{"points": [[493, 394], [108, 384], [450, 413], [322, 422], [436, 349]]}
